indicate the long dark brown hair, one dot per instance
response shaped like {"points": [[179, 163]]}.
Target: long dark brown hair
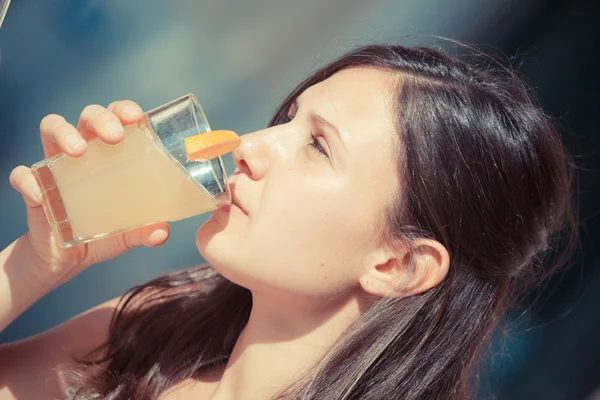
{"points": [[483, 172]]}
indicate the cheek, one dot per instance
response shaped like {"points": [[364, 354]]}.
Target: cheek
{"points": [[311, 241], [318, 226]]}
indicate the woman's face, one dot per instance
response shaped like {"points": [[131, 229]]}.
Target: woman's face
{"points": [[313, 211]]}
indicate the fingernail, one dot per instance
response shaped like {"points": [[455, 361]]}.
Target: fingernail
{"points": [[37, 194], [75, 142], [114, 128], [159, 237], [131, 111]]}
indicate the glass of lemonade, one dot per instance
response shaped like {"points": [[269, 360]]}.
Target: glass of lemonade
{"points": [[146, 178]]}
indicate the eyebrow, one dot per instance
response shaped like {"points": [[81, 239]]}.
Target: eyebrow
{"points": [[316, 117]]}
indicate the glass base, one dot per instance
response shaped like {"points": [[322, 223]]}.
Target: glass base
{"points": [[53, 204]]}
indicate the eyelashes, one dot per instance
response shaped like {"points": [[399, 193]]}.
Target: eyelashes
{"points": [[314, 143]]}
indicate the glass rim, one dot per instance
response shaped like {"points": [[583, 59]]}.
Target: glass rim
{"points": [[199, 110], [166, 121]]}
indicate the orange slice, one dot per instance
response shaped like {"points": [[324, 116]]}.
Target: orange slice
{"points": [[211, 144]]}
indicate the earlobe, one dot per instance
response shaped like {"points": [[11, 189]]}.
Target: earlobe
{"points": [[408, 271]]}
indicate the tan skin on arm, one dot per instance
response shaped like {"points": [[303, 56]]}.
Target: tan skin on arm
{"points": [[28, 368]]}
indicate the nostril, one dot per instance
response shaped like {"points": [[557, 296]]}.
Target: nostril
{"points": [[244, 168]]}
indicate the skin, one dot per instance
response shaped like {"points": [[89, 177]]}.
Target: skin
{"points": [[54, 264], [327, 213], [308, 243]]}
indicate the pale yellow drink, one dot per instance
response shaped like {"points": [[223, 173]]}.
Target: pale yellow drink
{"points": [[144, 184]]}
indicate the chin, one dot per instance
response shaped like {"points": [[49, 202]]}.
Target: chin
{"points": [[216, 249], [221, 247], [207, 238]]}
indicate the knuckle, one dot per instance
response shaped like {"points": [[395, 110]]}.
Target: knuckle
{"points": [[89, 111], [101, 119], [106, 116], [126, 242], [124, 106], [62, 130], [115, 105], [49, 121]]}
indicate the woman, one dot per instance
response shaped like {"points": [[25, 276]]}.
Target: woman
{"points": [[383, 223]]}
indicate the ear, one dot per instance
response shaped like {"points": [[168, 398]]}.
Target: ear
{"points": [[407, 270]]}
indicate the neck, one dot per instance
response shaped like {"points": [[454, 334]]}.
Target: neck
{"points": [[280, 343]]}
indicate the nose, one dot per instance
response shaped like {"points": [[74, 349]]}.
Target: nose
{"points": [[252, 156]]}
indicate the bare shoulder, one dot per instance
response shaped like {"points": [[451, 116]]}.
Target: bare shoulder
{"points": [[31, 368]]}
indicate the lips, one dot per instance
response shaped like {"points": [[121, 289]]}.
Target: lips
{"points": [[235, 201]]}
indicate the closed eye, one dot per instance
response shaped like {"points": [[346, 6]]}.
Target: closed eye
{"points": [[317, 146], [314, 143]]}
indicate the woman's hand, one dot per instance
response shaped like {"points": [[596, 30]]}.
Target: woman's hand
{"points": [[52, 261]]}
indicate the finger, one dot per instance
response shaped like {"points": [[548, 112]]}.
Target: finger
{"points": [[158, 237], [22, 179], [59, 136], [97, 121], [149, 236], [127, 111]]}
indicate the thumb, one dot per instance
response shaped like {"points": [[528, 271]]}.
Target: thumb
{"points": [[22, 179]]}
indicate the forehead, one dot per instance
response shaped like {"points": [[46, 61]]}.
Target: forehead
{"points": [[358, 95], [359, 102]]}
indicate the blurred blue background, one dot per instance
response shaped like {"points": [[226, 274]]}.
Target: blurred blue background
{"points": [[241, 58]]}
